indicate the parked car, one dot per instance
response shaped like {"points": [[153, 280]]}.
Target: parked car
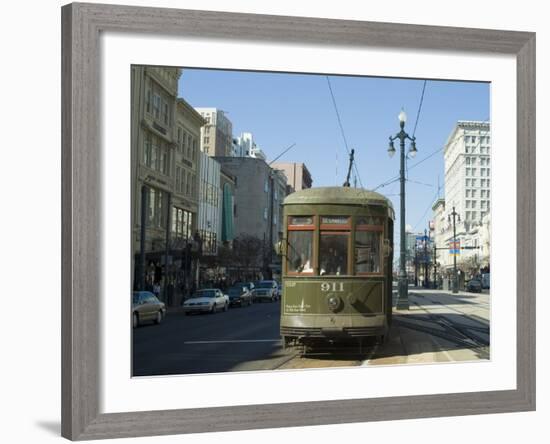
{"points": [[208, 300], [474, 286], [146, 307], [486, 280], [239, 295], [266, 290], [249, 285]]}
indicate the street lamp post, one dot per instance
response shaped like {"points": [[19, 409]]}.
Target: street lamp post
{"points": [[403, 297], [454, 214]]}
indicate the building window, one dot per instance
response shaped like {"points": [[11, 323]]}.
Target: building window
{"points": [[182, 223], [156, 106], [474, 182], [474, 192], [473, 139], [474, 172], [468, 171], [166, 114], [156, 208], [468, 182], [467, 161], [467, 193], [178, 178]]}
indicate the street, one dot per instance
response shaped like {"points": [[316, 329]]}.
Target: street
{"points": [[237, 340], [438, 327]]}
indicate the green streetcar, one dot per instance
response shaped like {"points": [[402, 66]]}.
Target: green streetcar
{"points": [[337, 266]]}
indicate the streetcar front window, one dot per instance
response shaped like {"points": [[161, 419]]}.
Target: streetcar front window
{"points": [[300, 251], [333, 254], [367, 251]]}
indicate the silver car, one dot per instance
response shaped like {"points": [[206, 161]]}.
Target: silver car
{"points": [[209, 300], [266, 291], [146, 307]]}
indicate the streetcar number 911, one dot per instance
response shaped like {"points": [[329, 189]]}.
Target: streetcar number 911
{"points": [[332, 286]]}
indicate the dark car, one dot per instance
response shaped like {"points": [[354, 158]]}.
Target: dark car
{"points": [[474, 286], [249, 285], [239, 295]]}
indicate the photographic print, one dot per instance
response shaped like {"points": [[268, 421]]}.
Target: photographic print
{"points": [[286, 221]]}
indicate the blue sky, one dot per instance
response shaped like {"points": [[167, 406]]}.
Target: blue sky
{"points": [[280, 109]]}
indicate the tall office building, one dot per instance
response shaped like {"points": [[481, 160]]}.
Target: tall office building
{"points": [[467, 190], [468, 170], [217, 133], [297, 175]]}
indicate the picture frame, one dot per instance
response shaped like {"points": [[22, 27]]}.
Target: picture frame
{"points": [[81, 244]]}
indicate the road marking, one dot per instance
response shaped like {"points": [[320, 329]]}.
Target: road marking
{"points": [[235, 341]]}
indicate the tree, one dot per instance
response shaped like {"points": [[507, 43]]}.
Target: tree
{"points": [[470, 265], [247, 252]]}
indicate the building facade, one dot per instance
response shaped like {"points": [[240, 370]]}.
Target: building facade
{"points": [[468, 190], [247, 147], [209, 226], [217, 133], [297, 175], [153, 153], [165, 171], [228, 184], [259, 193]]}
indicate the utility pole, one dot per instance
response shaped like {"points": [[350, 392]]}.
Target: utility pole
{"points": [[403, 286], [454, 214], [425, 258], [167, 247], [143, 226]]}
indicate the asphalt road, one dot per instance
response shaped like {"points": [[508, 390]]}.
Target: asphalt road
{"points": [[438, 327], [241, 339]]}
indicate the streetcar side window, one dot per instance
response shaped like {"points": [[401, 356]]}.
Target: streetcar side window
{"points": [[300, 251], [367, 252], [333, 253]]}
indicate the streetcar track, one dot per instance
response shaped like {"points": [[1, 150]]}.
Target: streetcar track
{"points": [[468, 339]]}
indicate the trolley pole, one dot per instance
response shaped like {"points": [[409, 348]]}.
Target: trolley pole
{"points": [[403, 285]]}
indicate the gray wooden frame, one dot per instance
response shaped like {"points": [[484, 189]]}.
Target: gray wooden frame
{"points": [[81, 172]]}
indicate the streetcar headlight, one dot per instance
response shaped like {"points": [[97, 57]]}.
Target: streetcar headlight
{"points": [[334, 302]]}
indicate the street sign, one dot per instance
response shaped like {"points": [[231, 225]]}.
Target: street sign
{"points": [[454, 248]]}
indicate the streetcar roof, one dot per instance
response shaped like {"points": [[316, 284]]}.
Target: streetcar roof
{"points": [[337, 195]]}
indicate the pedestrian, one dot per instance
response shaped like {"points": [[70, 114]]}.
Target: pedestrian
{"points": [[156, 289]]}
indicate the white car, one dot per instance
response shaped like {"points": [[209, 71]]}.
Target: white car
{"points": [[209, 300]]}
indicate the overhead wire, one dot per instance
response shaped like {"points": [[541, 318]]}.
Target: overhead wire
{"points": [[341, 126]]}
